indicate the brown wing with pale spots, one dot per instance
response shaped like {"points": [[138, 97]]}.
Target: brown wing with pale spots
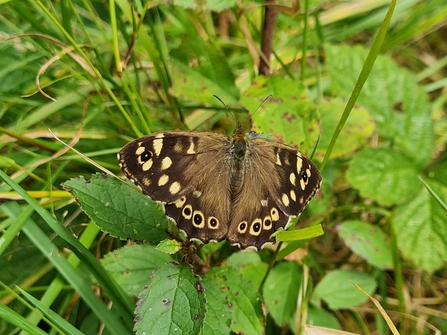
{"points": [[189, 173], [278, 183], [167, 165]]}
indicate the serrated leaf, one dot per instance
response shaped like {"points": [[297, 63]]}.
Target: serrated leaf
{"points": [[383, 175], [422, 230], [398, 104], [243, 301], [173, 304], [118, 209], [289, 116], [132, 266], [218, 316], [281, 291], [337, 290], [357, 129], [368, 241]]}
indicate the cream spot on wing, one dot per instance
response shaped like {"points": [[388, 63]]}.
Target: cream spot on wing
{"points": [[166, 163], [274, 214], [299, 163], [197, 194], [175, 188], [146, 182], [163, 180], [213, 222], [256, 227], [264, 202], [187, 212], [292, 178], [191, 150], [293, 195], [302, 200], [158, 145], [267, 224], [278, 160], [285, 200], [198, 219], [140, 150], [303, 184], [242, 227], [180, 202], [308, 174], [147, 165], [160, 135]]}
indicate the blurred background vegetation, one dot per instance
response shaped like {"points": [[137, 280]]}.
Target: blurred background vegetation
{"points": [[99, 74]]}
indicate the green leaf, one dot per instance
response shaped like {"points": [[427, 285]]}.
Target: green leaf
{"points": [[218, 315], [357, 129], [118, 209], [281, 291], [383, 175], [249, 265], [243, 301], [169, 246], [191, 84], [337, 290], [132, 266], [173, 304], [398, 104], [289, 116], [320, 317], [368, 241], [422, 230]]}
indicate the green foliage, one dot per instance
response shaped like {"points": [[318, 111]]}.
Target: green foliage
{"points": [[380, 221]]}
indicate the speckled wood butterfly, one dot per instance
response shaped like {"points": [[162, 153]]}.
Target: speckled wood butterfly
{"points": [[241, 188]]}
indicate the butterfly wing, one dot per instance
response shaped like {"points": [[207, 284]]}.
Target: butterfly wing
{"points": [[182, 171], [279, 181]]}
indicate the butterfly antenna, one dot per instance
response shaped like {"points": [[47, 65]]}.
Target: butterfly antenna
{"points": [[223, 103], [260, 105]]}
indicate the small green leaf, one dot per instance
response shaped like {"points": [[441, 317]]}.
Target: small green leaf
{"points": [[281, 291], [337, 290], [422, 230], [320, 317], [132, 266], [173, 304], [250, 265], [218, 315], [289, 115], [169, 246], [118, 209], [383, 175], [368, 241], [300, 234], [243, 301], [357, 129]]}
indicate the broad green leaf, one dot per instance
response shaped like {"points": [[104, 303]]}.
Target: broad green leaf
{"points": [[118, 209], [358, 128], [383, 175], [281, 291], [289, 115], [368, 241], [132, 266], [337, 290], [190, 84], [320, 317], [218, 315], [250, 265], [173, 304], [422, 230], [243, 301], [398, 104]]}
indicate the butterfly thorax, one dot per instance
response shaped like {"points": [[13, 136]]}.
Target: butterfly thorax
{"points": [[239, 150]]}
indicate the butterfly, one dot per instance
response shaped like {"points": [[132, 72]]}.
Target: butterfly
{"points": [[240, 188]]}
